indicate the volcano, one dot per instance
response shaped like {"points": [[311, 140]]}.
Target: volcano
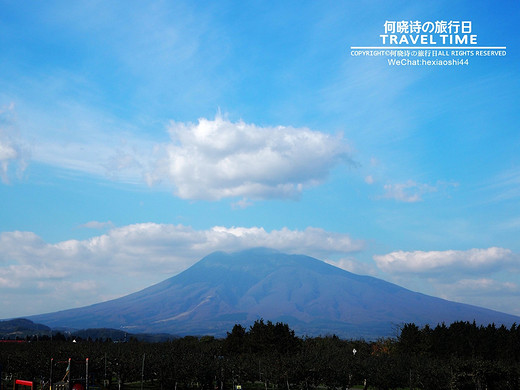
{"points": [[312, 297]]}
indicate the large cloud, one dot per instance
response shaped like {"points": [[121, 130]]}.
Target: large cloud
{"points": [[431, 263], [214, 159], [151, 247], [131, 257]]}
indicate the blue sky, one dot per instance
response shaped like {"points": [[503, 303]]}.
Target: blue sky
{"points": [[135, 138]]}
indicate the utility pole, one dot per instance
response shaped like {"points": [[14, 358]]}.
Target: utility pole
{"points": [[50, 378], [70, 368], [142, 372]]}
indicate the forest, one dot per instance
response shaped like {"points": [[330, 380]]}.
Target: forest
{"points": [[269, 356]]}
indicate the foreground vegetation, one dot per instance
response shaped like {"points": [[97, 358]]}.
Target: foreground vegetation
{"points": [[270, 356]]}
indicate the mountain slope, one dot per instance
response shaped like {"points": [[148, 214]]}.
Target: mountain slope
{"points": [[311, 296]]}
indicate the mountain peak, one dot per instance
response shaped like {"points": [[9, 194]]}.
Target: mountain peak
{"points": [[313, 297]]}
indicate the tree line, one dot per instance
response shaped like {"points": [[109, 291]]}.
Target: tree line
{"points": [[270, 356]]}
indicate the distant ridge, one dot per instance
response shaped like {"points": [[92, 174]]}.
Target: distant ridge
{"points": [[313, 297], [20, 328]]}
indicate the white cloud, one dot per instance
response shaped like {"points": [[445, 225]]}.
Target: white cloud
{"points": [[151, 248], [312, 241], [369, 179], [10, 146], [410, 191], [215, 159], [97, 225], [242, 204], [446, 263], [132, 257]]}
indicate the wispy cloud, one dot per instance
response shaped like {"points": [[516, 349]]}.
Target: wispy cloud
{"points": [[411, 191], [97, 225], [482, 287], [11, 151], [483, 277], [211, 159], [484, 291], [505, 186]]}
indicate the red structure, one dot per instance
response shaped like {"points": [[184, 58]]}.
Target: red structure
{"points": [[21, 384]]}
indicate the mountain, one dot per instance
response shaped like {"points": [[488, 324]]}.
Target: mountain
{"points": [[20, 328], [313, 297]]}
